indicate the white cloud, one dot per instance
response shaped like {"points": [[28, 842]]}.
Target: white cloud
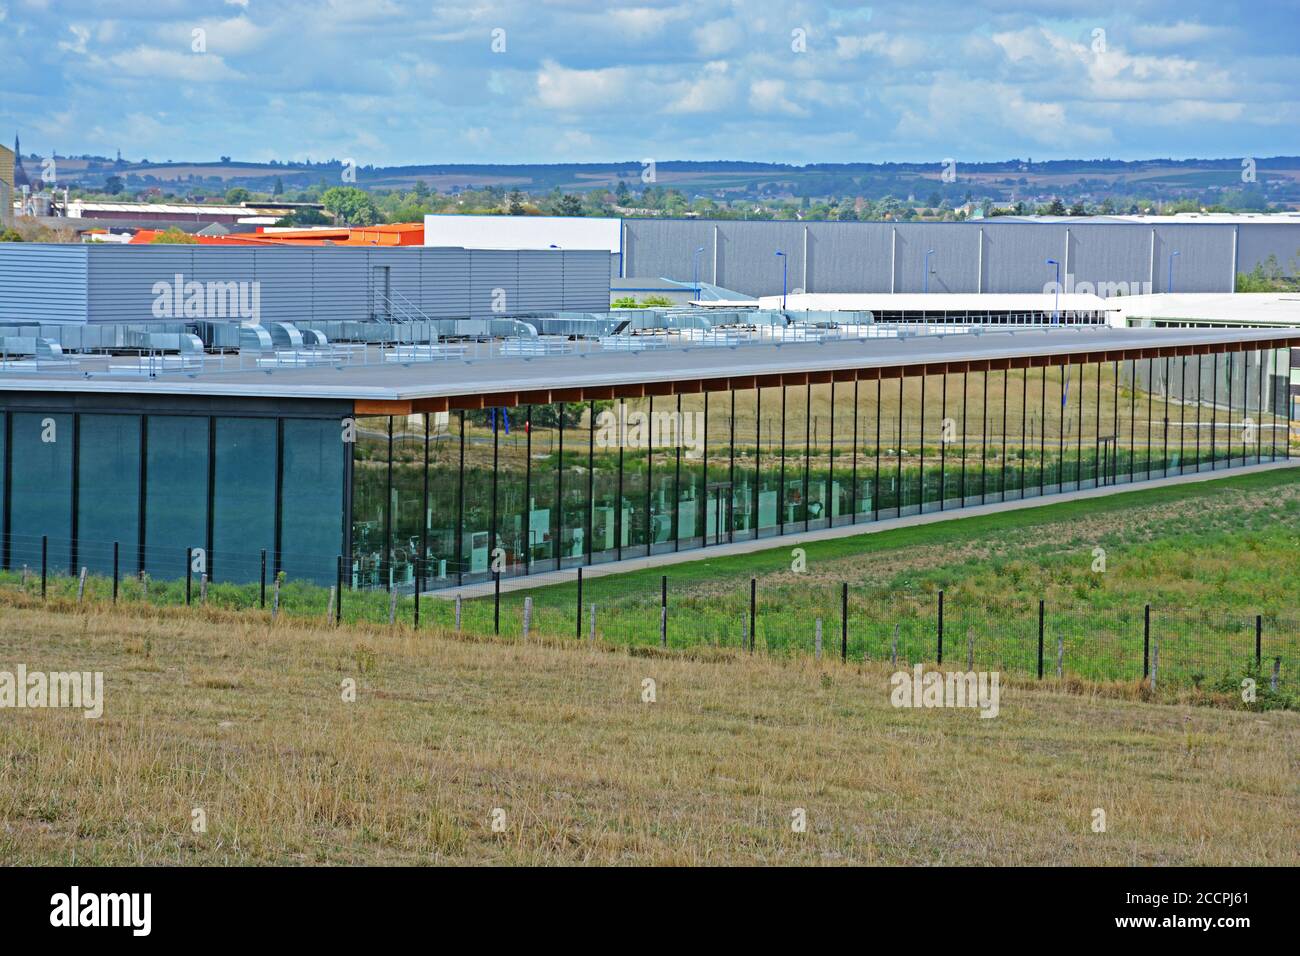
{"points": [[717, 37], [172, 65], [898, 50], [1163, 35], [563, 89], [769, 96], [77, 44], [712, 90]]}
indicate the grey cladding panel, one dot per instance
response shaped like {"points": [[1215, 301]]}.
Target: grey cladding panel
{"points": [[42, 283]]}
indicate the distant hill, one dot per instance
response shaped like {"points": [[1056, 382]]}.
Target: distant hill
{"points": [[1009, 180]]}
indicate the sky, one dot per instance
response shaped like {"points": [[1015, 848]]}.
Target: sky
{"points": [[385, 82]]}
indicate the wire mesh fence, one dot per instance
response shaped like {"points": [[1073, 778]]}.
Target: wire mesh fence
{"points": [[1177, 646]]}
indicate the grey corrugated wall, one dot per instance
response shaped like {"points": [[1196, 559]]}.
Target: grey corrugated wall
{"points": [[980, 256], [115, 284], [42, 283]]}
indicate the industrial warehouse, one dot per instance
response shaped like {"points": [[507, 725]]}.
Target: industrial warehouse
{"points": [[408, 437]]}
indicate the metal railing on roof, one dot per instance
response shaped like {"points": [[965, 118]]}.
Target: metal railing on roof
{"points": [[284, 347]]}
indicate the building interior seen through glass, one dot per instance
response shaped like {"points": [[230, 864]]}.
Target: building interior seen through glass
{"points": [[535, 488]]}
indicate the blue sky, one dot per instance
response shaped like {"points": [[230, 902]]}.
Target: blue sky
{"points": [[387, 82]]}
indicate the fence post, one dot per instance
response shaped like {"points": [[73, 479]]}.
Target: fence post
{"points": [[1041, 630], [817, 641], [81, 585], [203, 588], [893, 651], [45, 556], [419, 586], [1060, 656], [338, 607], [262, 589], [744, 633], [392, 608], [1155, 665], [329, 608], [115, 550], [844, 622], [753, 613], [496, 602], [275, 599], [458, 613], [1259, 638], [663, 611], [940, 626], [25, 574], [970, 651], [577, 628], [528, 614], [1277, 669], [189, 573], [1146, 643], [593, 624]]}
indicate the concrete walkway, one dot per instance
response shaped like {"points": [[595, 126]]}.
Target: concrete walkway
{"points": [[796, 539]]}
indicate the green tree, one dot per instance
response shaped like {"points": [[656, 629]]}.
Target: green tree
{"points": [[113, 185], [304, 217], [516, 200], [278, 188], [237, 194], [353, 206], [568, 205], [172, 236]]}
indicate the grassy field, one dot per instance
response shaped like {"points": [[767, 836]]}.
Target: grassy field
{"points": [[244, 719], [1207, 556]]}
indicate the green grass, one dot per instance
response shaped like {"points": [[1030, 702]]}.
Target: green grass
{"points": [[1207, 557]]}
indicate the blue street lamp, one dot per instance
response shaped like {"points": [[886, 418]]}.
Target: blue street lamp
{"points": [[1170, 286], [697, 271], [784, 264], [926, 284], [1056, 309]]}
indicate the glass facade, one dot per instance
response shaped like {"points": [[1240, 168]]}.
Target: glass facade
{"points": [[573, 483], [452, 497], [144, 488]]}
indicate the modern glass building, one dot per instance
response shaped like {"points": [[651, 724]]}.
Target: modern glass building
{"points": [[440, 474]]}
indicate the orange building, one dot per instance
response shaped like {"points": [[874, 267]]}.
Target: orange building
{"points": [[393, 234]]}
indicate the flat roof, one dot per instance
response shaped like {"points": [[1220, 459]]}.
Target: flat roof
{"points": [[498, 376], [1241, 308], [941, 302]]}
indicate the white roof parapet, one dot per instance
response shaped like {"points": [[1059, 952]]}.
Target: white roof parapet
{"points": [[959, 302]]}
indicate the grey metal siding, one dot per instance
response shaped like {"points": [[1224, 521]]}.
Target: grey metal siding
{"points": [[586, 284], [856, 257], [42, 283], [444, 283], [1259, 241]]}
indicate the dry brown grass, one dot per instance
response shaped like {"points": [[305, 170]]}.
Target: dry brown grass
{"points": [[244, 719]]}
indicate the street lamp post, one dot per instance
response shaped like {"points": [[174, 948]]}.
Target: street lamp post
{"points": [[1170, 285], [1056, 308], [926, 282], [697, 271], [785, 261]]}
